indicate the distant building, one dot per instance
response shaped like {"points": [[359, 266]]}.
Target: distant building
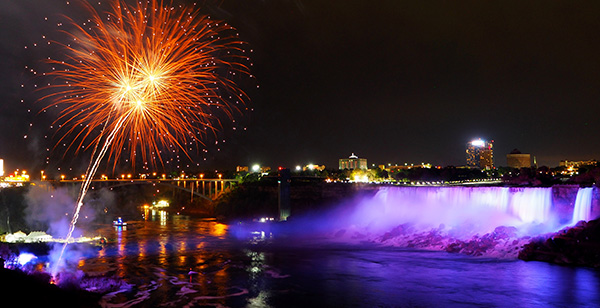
{"points": [[572, 167], [406, 167], [480, 154], [313, 167], [577, 164], [241, 169], [518, 160], [353, 162], [259, 169]]}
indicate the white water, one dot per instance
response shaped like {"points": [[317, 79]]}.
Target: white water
{"points": [[478, 209], [490, 221], [583, 205]]}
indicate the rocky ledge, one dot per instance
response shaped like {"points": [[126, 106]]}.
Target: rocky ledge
{"points": [[578, 245]]}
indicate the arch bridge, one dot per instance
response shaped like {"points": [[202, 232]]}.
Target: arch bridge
{"points": [[208, 189]]}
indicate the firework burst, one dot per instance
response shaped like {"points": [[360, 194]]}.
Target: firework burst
{"points": [[149, 77]]}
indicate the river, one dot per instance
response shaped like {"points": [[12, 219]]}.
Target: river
{"points": [[178, 261]]}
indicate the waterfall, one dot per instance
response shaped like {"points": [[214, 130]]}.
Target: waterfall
{"points": [[489, 221], [583, 205], [476, 209], [531, 205]]}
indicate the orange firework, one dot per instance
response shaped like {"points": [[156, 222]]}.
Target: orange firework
{"points": [[151, 74]]}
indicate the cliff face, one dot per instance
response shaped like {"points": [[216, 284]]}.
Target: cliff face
{"points": [[251, 200], [315, 196]]}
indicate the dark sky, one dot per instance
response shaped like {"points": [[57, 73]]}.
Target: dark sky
{"points": [[391, 81]]}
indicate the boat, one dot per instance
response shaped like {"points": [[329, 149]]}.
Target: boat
{"points": [[119, 222]]}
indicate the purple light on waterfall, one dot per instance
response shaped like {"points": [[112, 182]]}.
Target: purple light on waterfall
{"points": [[472, 209], [583, 205]]}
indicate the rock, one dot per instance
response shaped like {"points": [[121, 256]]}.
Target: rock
{"points": [[578, 245]]}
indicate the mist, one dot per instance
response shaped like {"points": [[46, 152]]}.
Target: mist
{"points": [[52, 210]]}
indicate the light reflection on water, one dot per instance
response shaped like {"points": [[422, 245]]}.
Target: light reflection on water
{"points": [[178, 261]]}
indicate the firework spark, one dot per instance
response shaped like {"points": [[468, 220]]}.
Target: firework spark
{"points": [[147, 76], [158, 71]]}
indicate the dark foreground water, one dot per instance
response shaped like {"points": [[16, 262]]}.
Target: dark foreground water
{"points": [[155, 257]]}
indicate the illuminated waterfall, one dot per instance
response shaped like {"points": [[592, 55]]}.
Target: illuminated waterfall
{"points": [[476, 209], [583, 204]]}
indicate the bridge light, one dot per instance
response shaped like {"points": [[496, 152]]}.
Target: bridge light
{"points": [[129, 176], [62, 177]]}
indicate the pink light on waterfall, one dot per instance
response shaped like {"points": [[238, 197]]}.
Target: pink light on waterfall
{"points": [[583, 205], [468, 210]]}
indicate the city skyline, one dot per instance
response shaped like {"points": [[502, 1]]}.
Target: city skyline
{"points": [[398, 82], [475, 158]]}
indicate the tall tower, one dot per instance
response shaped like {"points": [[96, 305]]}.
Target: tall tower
{"points": [[480, 154]]}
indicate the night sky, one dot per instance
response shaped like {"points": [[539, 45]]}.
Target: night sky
{"points": [[393, 82]]}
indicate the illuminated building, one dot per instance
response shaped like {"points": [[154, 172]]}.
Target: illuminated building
{"points": [[313, 167], [353, 162], [15, 179], [572, 167], [406, 166], [577, 164], [518, 160], [1, 167], [480, 154]]}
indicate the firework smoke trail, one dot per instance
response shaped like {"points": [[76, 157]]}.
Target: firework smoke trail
{"points": [[153, 75], [91, 171]]}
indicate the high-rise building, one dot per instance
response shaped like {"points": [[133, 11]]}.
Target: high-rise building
{"points": [[518, 160], [353, 162], [480, 154]]}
